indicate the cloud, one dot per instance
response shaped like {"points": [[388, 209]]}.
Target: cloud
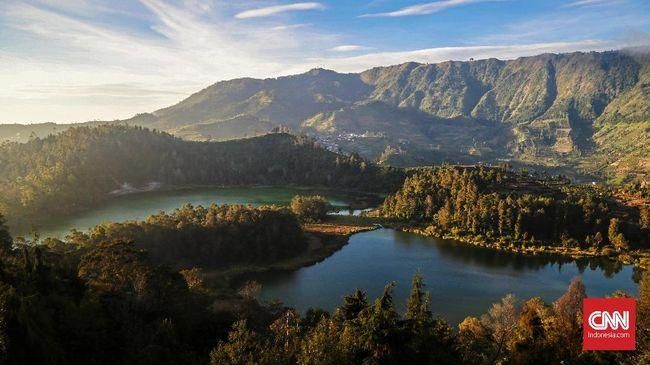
{"points": [[177, 49], [441, 54], [424, 9], [349, 48], [63, 65], [289, 26], [592, 2], [277, 9], [563, 24]]}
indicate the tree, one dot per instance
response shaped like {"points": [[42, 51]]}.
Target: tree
{"points": [[643, 319], [598, 239], [310, 208], [529, 343], [379, 335], [567, 327], [5, 238], [620, 242], [250, 290], [417, 307], [242, 347], [501, 319], [118, 269], [474, 341], [285, 343], [613, 229], [430, 340], [194, 278], [322, 345], [353, 305], [644, 216]]}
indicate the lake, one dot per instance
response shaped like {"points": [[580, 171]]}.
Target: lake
{"points": [[141, 205], [463, 280]]}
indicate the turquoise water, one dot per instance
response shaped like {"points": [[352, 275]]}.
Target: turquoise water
{"points": [[139, 206], [462, 280]]}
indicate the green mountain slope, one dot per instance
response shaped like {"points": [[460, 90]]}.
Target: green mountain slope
{"points": [[287, 100], [550, 110]]}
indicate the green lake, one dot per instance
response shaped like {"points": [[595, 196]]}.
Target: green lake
{"points": [[462, 279]]}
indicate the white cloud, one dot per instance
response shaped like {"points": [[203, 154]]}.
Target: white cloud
{"points": [[71, 62], [289, 26], [424, 9], [349, 48], [592, 2], [433, 55], [64, 66], [277, 9], [571, 25]]}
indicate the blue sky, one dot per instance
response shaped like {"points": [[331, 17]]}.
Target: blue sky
{"points": [[79, 60]]}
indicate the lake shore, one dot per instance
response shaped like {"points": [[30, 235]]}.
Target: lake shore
{"points": [[25, 226], [637, 258], [324, 239]]}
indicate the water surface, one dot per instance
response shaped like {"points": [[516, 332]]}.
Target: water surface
{"points": [[141, 205], [463, 280]]}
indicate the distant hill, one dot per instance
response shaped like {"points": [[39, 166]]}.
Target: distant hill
{"points": [[22, 133], [575, 111], [80, 167]]}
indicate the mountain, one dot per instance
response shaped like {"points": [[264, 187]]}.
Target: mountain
{"points": [[572, 111]]}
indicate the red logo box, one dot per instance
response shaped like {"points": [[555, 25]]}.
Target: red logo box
{"points": [[608, 324]]}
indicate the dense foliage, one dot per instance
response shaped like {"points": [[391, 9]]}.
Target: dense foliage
{"points": [[104, 305], [358, 332], [508, 207], [310, 208], [212, 237], [78, 168], [108, 302]]}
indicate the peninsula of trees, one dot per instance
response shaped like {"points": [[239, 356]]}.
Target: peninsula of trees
{"points": [[514, 209]]}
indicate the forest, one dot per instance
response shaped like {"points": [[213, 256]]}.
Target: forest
{"points": [[516, 208], [142, 291], [212, 237], [77, 169], [109, 301]]}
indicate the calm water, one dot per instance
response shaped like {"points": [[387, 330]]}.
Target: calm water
{"points": [[462, 280], [139, 206]]}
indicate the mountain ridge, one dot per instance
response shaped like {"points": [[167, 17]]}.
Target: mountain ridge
{"points": [[552, 110]]}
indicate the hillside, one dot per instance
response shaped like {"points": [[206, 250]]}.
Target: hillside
{"points": [[550, 110], [569, 111], [80, 167]]}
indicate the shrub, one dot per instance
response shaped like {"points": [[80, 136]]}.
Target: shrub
{"points": [[310, 208]]}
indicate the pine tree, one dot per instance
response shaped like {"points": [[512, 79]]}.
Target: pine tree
{"points": [[353, 304], [380, 335], [417, 307]]}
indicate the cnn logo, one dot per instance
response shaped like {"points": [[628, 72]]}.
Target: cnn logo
{"points": [[609, 324], [601, 320]]}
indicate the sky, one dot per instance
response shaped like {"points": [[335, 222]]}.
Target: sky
{"points": [[81, 60]]}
